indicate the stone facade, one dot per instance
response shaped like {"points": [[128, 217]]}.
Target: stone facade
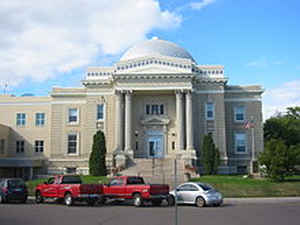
{"points": [[153, 106]]}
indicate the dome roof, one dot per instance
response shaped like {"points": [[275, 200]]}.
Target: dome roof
{"points": [[156, 47]]}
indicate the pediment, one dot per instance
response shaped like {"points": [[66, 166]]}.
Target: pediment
{"points": [[155, 120], [156, 69]]}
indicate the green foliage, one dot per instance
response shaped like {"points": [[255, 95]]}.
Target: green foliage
{"points": [[210, 155], [238, 186], [282, 144], [97, 158], [279, 159], [285, 127]]}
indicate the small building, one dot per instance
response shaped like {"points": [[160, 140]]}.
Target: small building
{"points": [[154, 105]]}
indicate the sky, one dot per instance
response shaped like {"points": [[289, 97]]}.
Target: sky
{"points": [[51, 43]]}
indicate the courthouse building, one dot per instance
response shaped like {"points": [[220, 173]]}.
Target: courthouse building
{"points": [[154, 105]]}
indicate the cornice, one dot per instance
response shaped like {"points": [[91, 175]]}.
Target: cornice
{"points": [[146, 76]]}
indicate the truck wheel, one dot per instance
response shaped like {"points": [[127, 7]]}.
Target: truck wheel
{"points": [[91, 202], [2, 199], [200, 202], [137, 200], [171, 200], [39, 198], [156, 202], [68, 199]]}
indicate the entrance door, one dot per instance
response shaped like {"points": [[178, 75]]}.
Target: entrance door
{"points": [[155, 146]]}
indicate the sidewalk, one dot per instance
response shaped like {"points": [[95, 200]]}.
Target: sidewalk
{"points": [[261, 200]]}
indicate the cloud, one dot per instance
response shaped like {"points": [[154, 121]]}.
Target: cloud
{"points": [[201, 4], [262, 62], [278, 99], [40, 39]]}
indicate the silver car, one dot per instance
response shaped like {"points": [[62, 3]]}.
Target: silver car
{"points": [[200, 194]]}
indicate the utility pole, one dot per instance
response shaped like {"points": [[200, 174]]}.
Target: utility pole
{"points": [[252, 146], [175, 191]]}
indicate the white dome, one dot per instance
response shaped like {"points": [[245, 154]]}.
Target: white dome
{"points": [[156, 47]]}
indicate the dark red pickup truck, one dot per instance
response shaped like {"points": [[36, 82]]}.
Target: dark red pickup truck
{"points": [[131, 187], [68, 188]]}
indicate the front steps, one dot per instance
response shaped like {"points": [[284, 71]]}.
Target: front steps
{"points": [[160, 171]]}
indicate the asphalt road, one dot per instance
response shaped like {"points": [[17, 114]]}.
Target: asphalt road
{"points": [[274, 213]]}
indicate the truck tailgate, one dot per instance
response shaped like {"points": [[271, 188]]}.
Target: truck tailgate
{"points": [[157, 189], [91, 188]]}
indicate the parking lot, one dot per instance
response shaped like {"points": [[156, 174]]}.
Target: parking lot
{"points": [[230, 213]]}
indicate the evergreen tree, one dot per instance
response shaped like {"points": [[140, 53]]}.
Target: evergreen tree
{"points": [[97, 158], [210, 156]]}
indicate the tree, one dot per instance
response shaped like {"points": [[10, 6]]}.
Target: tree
{"points": [[279, 159], [210, 155], [97, 165], [285, 127]]}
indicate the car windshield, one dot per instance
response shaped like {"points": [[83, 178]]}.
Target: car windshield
{"points": [[205, 187], [15, 183]]}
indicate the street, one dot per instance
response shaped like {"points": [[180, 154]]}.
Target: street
{"points": [[230, 213]]}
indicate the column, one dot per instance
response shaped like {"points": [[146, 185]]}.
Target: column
{"points": [[128, 123], [189, 122], [119, 130], [179, 120]]}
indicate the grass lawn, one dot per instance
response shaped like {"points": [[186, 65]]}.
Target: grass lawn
{"points": [[237, 186], [85, 179]]}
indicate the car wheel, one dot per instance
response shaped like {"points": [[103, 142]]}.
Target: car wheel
{"points": [[171, 200], [68, 199], [137, 200], [24, 200], [200, 202], [2, 199], [39, 198], [156, 202]]}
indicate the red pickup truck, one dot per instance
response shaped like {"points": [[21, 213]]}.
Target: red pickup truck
{"points": [[68, 188], [132, 187]]}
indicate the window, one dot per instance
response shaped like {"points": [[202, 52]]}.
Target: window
{"points": [[40, 119], [173, 145], [210, 111], [72, 143], [2, 146], [20, 146], [71, 179], [239, 114], [136, 146], [240, 142], [116, 182], [73, 115], [100, 112], [39, 146], [21, 119], [155, 109]]}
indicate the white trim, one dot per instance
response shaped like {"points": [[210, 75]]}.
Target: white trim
{"points": [[100, 93], [77, 116], [77, 144], [68, 93], [68, 102], [155, 88], [210, 92], [235, 143], [242, 100], [69, 160], [23, 103], [243, 91], [235, 112]]}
